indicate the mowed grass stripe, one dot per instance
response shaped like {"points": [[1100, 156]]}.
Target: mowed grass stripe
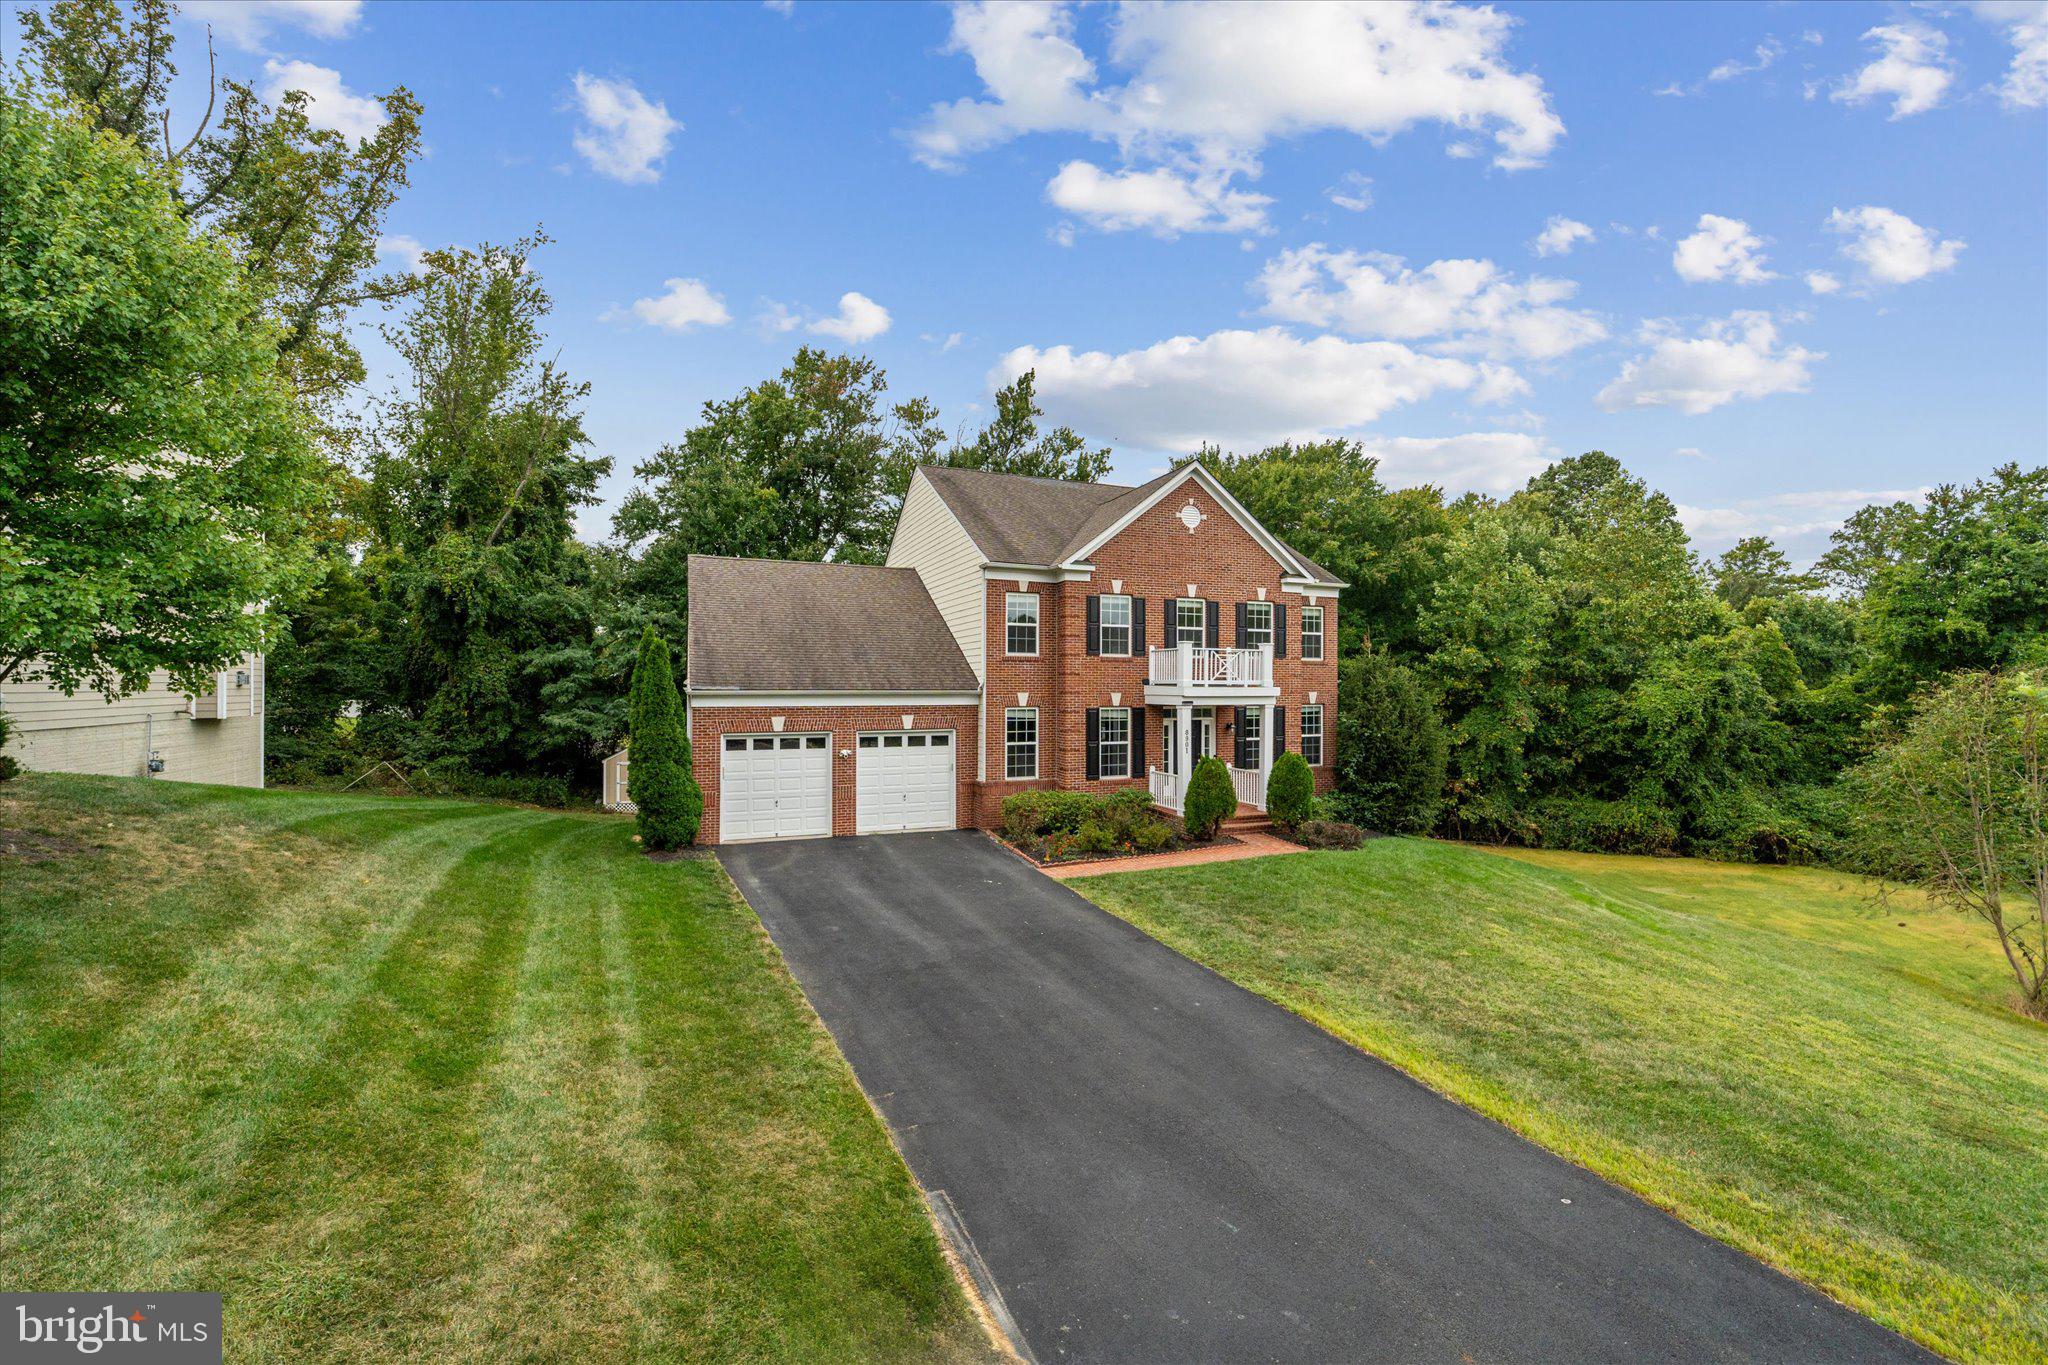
{"points": [[346, 1234], [558, 1224], [131, 1125], [795, 1229], [445, 1079]]}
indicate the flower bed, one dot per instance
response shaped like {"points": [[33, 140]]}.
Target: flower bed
{"points": [[1064, 827]]}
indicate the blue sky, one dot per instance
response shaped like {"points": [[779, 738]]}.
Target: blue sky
{"points": [[1245, 224]]}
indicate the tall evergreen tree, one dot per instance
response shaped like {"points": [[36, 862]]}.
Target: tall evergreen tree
{"points": [[669, 806]]}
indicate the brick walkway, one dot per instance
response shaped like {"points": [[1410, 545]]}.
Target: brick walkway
{"points": [[1251, 844]]}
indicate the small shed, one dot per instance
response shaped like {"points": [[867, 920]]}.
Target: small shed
{"points": [[614, 797]]}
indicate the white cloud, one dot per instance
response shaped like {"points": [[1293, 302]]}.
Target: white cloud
{"points": [[1205, 88], [1890, 247], [1478, 461], [859, 319], [624, 134], [2026, 27], [785, 8], [1240, 388], [404, 246], [1472, 306], [329, 103], [1739, 356], [1822, 281], [1690, 453], [685, 304], [1784, 516], [1353, 192], [1560, 235], [1912, 70], [1722, 249], [953, 339], [1767, 51], [248, 23], [1157, 201]]}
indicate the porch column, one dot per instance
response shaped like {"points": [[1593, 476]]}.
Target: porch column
{"points": [[1183, 751], [1265, 746]]}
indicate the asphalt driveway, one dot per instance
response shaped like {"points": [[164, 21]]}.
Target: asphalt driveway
{"points": [[1155, 1165]]}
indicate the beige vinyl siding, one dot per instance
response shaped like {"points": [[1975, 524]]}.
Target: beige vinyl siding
{"points": [[84, 733], [929, 539]]}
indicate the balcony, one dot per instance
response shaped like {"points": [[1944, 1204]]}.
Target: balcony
{"points": [[1191, 673]]}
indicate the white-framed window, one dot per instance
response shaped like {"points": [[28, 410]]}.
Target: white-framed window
{"points": [[1191, 621], [1253, 720], [1312, 633], [1020, 614], [1020, 743], [1113, 741], [1169, 755], [1115, 636], [1312, 734], [1258, 625]]}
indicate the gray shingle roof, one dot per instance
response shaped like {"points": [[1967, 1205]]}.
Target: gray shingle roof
{"points": [[1019, 520], [772, 625]]}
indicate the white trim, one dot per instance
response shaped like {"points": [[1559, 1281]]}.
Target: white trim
{"points": [[1037, 625], [915, 700], [996, 570], [1309, 588], [1037, 743]]}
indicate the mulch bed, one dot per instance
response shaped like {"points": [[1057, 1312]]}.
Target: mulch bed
{"points": [[1220, 841]]}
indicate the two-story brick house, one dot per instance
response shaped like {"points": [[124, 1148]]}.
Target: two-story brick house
{"points": [[1025, 633]]}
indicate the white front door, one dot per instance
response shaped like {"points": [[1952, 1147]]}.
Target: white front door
{"points": [[903, 780], [774, 787]]}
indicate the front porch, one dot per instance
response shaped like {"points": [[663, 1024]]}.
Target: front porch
{"points": [[1190, 732]]}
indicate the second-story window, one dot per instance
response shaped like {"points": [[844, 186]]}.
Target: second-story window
{"points": [[1258, 625], [1021, 613], [1191, 622], [1116, 625], [1311, 632]]}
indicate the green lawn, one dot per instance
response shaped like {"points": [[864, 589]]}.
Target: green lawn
{"points": [[409, 1078], [1834, 1084]]}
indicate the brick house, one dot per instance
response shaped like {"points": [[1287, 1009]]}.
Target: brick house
{"points": [[1024, 633]]}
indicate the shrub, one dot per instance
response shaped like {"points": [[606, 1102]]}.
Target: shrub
{"points": [[1152, 836], [1095, 837], [1391, 748], [1591, 825], [9, 768], [1290, 791], [668, 803], [1210, 800], [1329, 834]]}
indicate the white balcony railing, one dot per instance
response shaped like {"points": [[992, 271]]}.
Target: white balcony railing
{"points": [[1166, 789], [1194, 668], [1250, 784]]}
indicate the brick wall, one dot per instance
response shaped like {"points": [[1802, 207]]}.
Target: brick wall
{"points": [[710, 724], [1154, 558]]}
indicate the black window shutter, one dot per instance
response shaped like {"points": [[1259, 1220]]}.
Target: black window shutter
{"points": [[1137, 627], [1215, 624], [1279, 630], [1169, 624], [1094, 741], [1237, 715], [1094, 626], [1279, 731], [1137, 741], [1243, 625]]}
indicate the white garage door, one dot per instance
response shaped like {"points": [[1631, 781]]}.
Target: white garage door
{"points": [[774, 787], [903, 781]]}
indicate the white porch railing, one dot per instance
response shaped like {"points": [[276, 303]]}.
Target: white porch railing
{"points": [[1192, 667], [1169, 791]]}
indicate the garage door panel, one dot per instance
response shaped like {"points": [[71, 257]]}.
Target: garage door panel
{"points": [[904, 781], [774, 787]]}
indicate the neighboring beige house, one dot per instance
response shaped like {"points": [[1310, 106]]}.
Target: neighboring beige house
{"points": [[157, 732], [614, 797]]}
